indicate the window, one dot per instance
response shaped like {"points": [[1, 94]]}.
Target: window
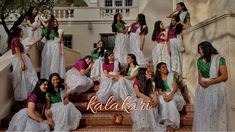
{"points": [[108, 3], [128, 2], [68, 40], [118, 2], [108, 40]]}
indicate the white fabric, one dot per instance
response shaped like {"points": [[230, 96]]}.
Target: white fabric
{"points": [[66, 117], [77, 82], [210, 103], [97, 70], [52, 60], [169, 110], [120, 48], [106, 85], [23, 81], [160, 54], [182, 15], [134, 47], [176, 58], [22, 122]]}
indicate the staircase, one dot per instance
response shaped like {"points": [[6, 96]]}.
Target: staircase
{"points": [[103, 120]]}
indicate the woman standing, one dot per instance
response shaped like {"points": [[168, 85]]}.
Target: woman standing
{"points": [[111, 69], [98, 56], [23, 75], [120, 48], [137, 38], [161, 52], [64, 114], [175, 45], [31, 118], [76, 78], [170, 98], [210, 98], [124, 86]]}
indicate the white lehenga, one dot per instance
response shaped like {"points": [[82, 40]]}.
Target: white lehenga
{"points": [[22, 122], [160, 54], [210, 103], [120, 48], [169, 110], [134, 47], [97, 70], [23, 81], [52, 60], [124, 87], [106, 85], [77, 82]]}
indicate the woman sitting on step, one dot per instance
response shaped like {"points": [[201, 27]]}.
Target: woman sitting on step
{"points": [[145, 119], [31, 118], [76, 78], [123, 87], [111, 69], [64, 114], [170, 98]]}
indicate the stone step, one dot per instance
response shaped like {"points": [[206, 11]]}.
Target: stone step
{"points": [[186, 120], [117, 128]]}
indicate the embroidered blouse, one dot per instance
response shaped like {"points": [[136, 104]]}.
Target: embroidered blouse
{"points": [[80, 65], [15, 43]]}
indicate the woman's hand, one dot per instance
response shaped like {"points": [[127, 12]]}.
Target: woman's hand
{"points": [[153, 102], [62, 52], [66, 101], [203, 84], [22, 66]]}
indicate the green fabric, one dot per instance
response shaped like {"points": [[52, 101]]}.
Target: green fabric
{"points": [[166, 87], [128, 73], [54, 98], [187, 16], [119, 26], [52, 35], [94, 55], [204, 67], [174, 77]]}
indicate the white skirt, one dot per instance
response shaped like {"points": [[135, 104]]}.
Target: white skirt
{"points": [[210, 108], [97, 70], [77, 82], [66, 117], [22, 122], [146, 120], [134, 48], [176, 58], [123, 88], [25, 81], [52, 60], [160, 54], [120, 48]]}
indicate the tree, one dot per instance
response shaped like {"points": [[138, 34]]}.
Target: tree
{"points": [[18, 9]]}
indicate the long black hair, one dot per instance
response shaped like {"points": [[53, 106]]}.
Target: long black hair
{"points": [[157, 78], [101, 53], [156, 30], [179, 27], [142, 21], [182, 5], [134, 62], [51, 28], [114, 29], [29, 14], [51, 88], [84, 59], [207, 50], [14, 33], [146, 85], [41, 96], [106, 56]]}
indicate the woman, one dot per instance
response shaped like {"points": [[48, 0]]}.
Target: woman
{"points": [[210, 97], [64, 114], [145, 119], [24, 76], [76, 78], [183, 14], [120, 48], [170, 98], [174, 36], [123, 87], [137, 38], [98, 56], [53, 51], [111, 69], [161, 52], [31, 118], [34, 26]]}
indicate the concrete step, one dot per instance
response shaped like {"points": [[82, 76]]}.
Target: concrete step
{"points": [[186, 120]]}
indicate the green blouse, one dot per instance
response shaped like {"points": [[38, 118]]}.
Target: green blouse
{"points": [[166, 87], [119, 26], [204, 67], [52, 35], [54, 98]]}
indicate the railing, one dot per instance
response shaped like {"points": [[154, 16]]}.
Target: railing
{"points": [[64, 12], [109, 12]]}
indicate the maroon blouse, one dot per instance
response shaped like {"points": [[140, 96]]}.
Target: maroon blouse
{"points": [[172, 33], [38, 105], [15, 43], [158, 38], [134, 27], [80, 65]]}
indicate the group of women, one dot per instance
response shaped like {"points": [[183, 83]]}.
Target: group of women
{"points": [[48, 104]]}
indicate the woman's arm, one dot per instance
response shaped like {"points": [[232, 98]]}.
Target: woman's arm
{"points": [[139, 94], [18, 54], [171, 15], [61, 46], [133, 76], [32, 113], [142, 40], [222, 78], [175, 88]]}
